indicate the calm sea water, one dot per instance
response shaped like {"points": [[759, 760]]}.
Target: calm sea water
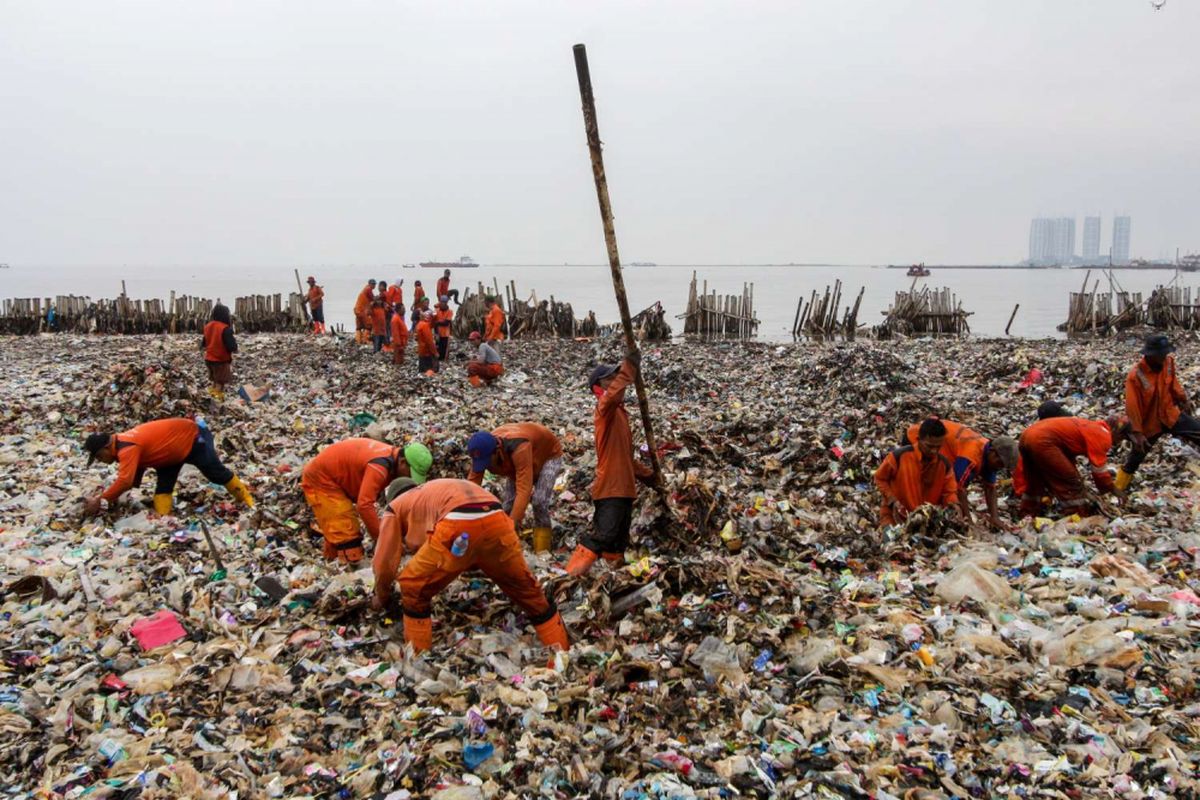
{"points": [[989, 293]]}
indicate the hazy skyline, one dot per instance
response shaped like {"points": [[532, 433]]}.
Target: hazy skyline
{"points": [[841, 131]]}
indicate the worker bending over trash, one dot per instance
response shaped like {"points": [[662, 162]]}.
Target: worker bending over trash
{"points": [[343, 484], [614, 488], [1156, 405], [1049, 448], [530, 457], [163, 445], [913, 475], [485, 364], [972, 456], [453, 525]]}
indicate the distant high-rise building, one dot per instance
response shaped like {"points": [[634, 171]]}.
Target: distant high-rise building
{"points": [[1091, 238], [1062, 240], [1040, 234], [1120, 245]]}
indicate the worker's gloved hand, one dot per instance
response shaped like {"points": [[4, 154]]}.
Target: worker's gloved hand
{"points": [[1186, 407], [379, 602], [634, 356], [646, 479], [91, 506], [1138, 441], [899, 512]]}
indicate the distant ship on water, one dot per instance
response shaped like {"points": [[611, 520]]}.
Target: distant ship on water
{"points": [[466, 262], [642, 264]]}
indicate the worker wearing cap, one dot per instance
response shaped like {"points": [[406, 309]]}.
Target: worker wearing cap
{"points": [[343, 484], [163, 445], [1049, 448], [362, 313], [453, 526], [485, 364], [443, 321], [427, 360], [916, 474], [493, 331], [399, 334], [614, 488], [972, 456], [316, 305], [443, 287], [1156, 404], [529, 455]]}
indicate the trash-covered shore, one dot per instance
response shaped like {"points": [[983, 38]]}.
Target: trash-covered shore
{"points": [[764, 639]]}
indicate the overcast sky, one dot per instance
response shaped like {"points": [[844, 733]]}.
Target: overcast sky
{"points": [[848, 131]]}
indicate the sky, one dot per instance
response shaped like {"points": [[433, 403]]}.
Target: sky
{"points": [[843, 131]]}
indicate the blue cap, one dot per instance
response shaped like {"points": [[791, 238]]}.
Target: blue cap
{"points": [[480, 448]]}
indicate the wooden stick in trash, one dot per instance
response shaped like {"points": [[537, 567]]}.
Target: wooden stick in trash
{"points": [[303, 296], [212, 546], [85, 581], [610, 239]]}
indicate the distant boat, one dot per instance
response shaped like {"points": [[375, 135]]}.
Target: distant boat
{"points": [[5, 266], [466, 262], [918, 271], [642, 264], [408, 266]]}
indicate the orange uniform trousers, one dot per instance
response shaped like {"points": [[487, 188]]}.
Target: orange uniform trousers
{"points": [[488, 372], [338, 520], [494, 549]]}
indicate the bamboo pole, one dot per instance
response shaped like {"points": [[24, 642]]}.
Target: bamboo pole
{"points": [[591, 126]]}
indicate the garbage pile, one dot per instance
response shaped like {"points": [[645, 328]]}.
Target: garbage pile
{"points": [[763, 639]]}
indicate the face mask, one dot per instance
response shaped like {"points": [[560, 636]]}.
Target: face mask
{"points": [[598, 391]]}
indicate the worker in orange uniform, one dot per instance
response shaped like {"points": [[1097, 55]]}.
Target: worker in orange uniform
{"points": [[911, 476], [362, 313], [393, 298], [443, 288], [493, 331], [379, 324], [1049, 409], [485, 364], [1156, 404], [399, 334], [343, 483], [529, 455], [418, 292], [974, 457], [1049, 448], [427, 360], [163, 445], [219, 346], [614, 488], [454, 526], [443, 322], [316, 305]]}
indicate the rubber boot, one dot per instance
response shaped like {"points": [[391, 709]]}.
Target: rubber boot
{"points": [[163, 504], [1123, 479], [553, 633], [238, 489], [543, 537], [581, 561], [476, 381], [418, 633]]}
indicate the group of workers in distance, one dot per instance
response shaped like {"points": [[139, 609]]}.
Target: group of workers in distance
{"points": [[446, 525], [939, 459]]}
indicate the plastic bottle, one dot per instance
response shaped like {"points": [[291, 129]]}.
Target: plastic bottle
{"points": [[459, 548]]}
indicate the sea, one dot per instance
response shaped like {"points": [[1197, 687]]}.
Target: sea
{"points": [[989, 294]]}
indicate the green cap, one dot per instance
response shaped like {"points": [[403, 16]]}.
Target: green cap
{"points": [[398, 487], [419, 460]]}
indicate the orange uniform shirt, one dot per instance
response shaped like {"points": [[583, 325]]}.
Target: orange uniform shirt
{"points": [[494, 324], [913, 480], [443, 321], [357, 468], [410, 518], [378, 321], [162, 443], [443, 287], [418, 293], [316, 296], [426, 346], [616, 469], [524, 449], [399, 331], [395, 294], [1073, 435], [363, 303], [1152, 398], [214, 343], [963, 448]]}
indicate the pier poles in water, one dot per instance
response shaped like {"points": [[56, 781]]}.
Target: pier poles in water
{"points": [[610, 239]]}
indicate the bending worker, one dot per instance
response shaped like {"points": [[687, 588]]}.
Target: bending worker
{"points": [[1156, 405], [530, 457], [911, 476], [453, 526], [485, 364], [1048, 452], [164, 445], [614, 489], [972, 456], [343, 484]]}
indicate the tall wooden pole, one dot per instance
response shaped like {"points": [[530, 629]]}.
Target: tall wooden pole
{"points": [[610, 239]]}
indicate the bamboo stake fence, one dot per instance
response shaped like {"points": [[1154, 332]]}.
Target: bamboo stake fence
{"points": [[710, 314], [925, 312], [820, 318]]}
